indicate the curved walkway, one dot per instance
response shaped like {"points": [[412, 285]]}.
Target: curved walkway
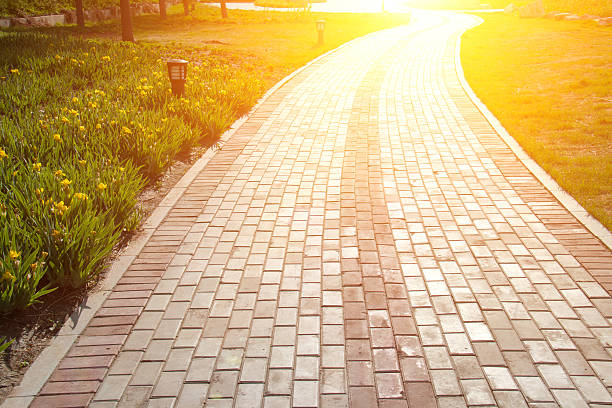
{"points": [[364, 239]]}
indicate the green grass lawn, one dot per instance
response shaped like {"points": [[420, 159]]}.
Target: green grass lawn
{"points": [[270, 43], [549, 84]]}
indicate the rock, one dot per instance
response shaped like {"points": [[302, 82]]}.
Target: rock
{"points": [[607, 21], [572, 17], [48, 21], [561, 16], [510, 8], [588, 17], [19, 21], [5, 22], [535, 9]]}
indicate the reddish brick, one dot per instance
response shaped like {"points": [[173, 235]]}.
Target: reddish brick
{"points": [[70, 387], [79, 374], [62, 401]]}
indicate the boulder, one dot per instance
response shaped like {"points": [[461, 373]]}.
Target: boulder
{"points": [[561, 16], [572, 17], [607, 21], [5, 22], [47, 21], [535, 9], [19, 21]]}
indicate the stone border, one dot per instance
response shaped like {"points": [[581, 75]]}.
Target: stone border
{"points": [[574, 208], [69, 17], [43, 366]]}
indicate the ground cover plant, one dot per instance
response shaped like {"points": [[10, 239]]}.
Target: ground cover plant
{"points": [[84, 125], [549, 84]]}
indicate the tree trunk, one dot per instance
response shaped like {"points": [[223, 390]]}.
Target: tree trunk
{"points": [[127, 33], [162, 9], [223, 9], [186, 7], [80, 15]]}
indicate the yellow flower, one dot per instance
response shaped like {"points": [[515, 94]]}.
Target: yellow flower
{"points": [[39, 191], [44, 254], [64, 119], [73, 112], [126, 130], [101, 186], [34, 265], [121, 169], [61, 207], [57, 138], [14, 254], [82, 162], [74, 61], [106, 58], [82, 128], [81, 196], [59, 174], [65, 182], [15, 71], [75, 99], [2, 154], [7, 276], [57, 57], [36, 166], [98, 126], [55, 234]]}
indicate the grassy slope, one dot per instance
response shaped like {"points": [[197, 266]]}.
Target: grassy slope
{"points": [[549, 84]]}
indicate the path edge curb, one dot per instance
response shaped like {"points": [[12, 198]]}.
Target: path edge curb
{"points": [[22, 395], [566, 200]]}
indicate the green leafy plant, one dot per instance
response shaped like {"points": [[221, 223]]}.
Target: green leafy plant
{"points": [[84, 126]]}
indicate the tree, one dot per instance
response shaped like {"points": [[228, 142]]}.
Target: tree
{"points": [[80, 15], [127, 33], [223, 9], [186, 7], [162, 9]]}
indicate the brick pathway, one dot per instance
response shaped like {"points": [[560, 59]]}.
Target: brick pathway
{"points": [[364, 239]]}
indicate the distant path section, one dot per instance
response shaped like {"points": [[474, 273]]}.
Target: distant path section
{"points": [[364, 239]]}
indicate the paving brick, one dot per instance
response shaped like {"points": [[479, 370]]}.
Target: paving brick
{"points": [[374, 244]]}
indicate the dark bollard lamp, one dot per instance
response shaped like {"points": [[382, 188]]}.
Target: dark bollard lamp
{"points": [[177, 71], [320, 30]]}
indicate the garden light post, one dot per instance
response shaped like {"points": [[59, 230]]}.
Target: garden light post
{"points": [[177, 71], [320, 30]]}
